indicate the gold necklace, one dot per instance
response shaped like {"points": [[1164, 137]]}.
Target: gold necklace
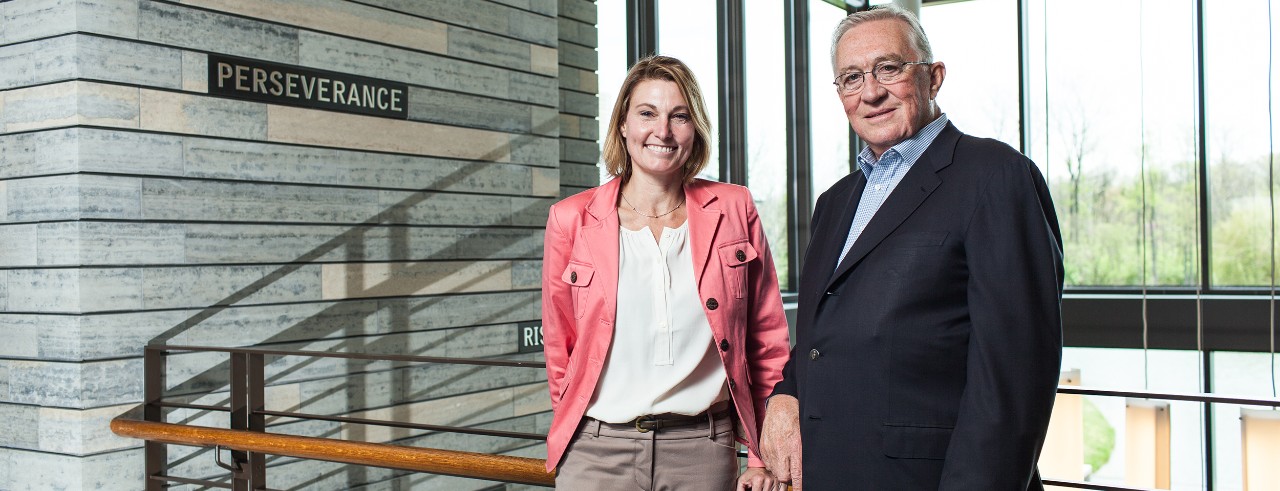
{"points": [[633, 207]]}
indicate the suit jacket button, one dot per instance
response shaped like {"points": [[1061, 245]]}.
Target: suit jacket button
{"points": [[814, 354], [573, 277], [742, 256], [712, 304], [732, 384], [724, 345]]}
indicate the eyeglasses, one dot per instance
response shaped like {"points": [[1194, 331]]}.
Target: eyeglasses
{"points": [[885, 72]]}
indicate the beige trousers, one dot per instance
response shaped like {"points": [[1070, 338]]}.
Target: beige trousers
{"points": [[609, 457]]}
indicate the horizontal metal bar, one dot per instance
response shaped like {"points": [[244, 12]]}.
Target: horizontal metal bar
{"points": [[1143, 394], [357, 356], [1090, 485], [416, 426], [183, 405], [197, 482]]}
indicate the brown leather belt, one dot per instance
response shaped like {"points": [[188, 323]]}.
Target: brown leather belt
{"points": [[654, 422]]}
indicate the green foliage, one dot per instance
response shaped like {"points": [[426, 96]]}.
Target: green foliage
{"points": [[1099, 437]]}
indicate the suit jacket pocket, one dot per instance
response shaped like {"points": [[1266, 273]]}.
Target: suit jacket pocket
{"points": [[578, 276], [735, 257], [916, 442]]}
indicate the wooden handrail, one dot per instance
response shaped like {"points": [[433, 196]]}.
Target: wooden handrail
{"points": [[521, 470]]}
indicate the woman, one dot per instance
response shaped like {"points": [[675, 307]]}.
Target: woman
{"points": [[662, 321]]}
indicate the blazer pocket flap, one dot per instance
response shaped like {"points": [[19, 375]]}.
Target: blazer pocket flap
{"points": [[916, 442], [578, 274], [737, 254]]}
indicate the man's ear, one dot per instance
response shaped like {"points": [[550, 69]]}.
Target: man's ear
{"points": [[937, 72]]}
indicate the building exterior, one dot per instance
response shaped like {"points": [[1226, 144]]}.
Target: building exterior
{"points": [[149, 198]]}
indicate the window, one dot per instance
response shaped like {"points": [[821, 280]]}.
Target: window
{"points": [[687, 30], [766, 115], [829, 128]]}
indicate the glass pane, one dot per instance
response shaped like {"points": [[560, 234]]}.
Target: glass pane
{"points": [[828, 124], [1242, 375], [611, 18], [1238, 140], [1102, 423], [687, 30], [980, 93], [766, 86], [1116, 134]]}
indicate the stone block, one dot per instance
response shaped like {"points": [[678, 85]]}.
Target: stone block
{"points": [[544, 60], [534, 89], [70, 197], [445, 209], [174, 112], [37, 62], [73, 385], [128, 152], [536, 28], [535, 150], [447, 311], [80, 432], [546, 182], [344, 18], [579, 103], [111, 289], [579, 56], [481, 47], [68, 104], [530, 212], [208, 31], [527, 275], [21, 426], [580, 151], [345, 55], [365, 280], [578, 32], [164, 199], [309, 243], [574, 174], [110, 243], [567, 191], [38, 153], [236, 160], [126, 62], [578, 79], [581, 10], [111, 471], [312, 127], [200, 286], [18, 245], [545, 121], [451, 108]]}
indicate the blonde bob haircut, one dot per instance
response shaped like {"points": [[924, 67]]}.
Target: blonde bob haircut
{"points": [[655, 67]]}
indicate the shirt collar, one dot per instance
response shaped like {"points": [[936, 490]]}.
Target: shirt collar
{"points": [[909, 150]]}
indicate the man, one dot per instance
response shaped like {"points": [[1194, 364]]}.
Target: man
{"points": [[929, 332]]}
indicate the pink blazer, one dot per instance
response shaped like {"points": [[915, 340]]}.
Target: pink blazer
{"points": [[736, 281]]}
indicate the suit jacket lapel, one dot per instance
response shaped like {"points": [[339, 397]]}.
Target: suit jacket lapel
{"points": [[919, 182], [825, 248], [703, 225], [601, 237]]}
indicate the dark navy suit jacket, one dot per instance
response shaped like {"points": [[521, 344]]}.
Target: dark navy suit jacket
{"points": [[929, 358]]}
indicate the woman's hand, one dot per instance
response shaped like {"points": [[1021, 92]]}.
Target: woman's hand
{"points": [[758, 479]]}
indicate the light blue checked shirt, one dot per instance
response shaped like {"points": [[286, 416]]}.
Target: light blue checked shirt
{"points": [[884, 174]]}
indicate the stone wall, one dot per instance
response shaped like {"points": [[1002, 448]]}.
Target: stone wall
{"points": [[137, 208]]}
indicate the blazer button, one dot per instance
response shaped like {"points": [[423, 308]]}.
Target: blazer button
{"points": [[724, 345], [712, 304], [742, 256], [814, 354], [732, 384], [573, 277]]}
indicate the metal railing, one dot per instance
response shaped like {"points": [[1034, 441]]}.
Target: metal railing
{"points": [[249, 442]]}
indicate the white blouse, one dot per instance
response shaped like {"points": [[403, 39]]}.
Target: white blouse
{"points": [[662, 359]]}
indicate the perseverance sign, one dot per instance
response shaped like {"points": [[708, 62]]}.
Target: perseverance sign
{"points": [[295, 86]]}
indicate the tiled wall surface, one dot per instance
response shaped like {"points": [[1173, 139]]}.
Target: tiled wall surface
{"points": [[137, 208]]}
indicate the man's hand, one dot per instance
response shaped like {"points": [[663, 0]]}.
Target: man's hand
{"points": [[780, 439], [758, 479]]}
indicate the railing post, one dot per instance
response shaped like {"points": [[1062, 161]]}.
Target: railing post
{"points": [[239, 416], [256, 404], [155, 454]]}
